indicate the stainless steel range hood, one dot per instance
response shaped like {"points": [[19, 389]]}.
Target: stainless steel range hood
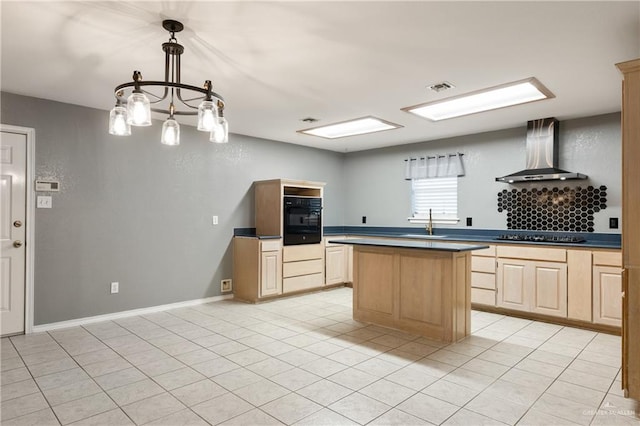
{"points": [[542, 155]]}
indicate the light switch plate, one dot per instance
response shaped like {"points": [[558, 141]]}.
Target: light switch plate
{"points": [[44, 202]]}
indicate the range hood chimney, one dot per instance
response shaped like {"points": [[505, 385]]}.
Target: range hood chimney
{"points": [[542, 155]]}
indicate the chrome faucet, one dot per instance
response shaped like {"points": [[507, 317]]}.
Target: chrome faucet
{"points": [[430, 224]]}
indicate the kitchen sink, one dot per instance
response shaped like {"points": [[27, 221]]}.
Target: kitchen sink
{"points": [[425, 236]]}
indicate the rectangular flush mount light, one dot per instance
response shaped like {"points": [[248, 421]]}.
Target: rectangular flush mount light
{"points": [[518, 92], [359, 126]]}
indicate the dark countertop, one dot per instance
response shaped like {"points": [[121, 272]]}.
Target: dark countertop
{"points": [[465, 235], [411, 244], [487, 236]]}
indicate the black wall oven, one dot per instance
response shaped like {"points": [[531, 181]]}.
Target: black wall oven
{"points": [[302, 220]]}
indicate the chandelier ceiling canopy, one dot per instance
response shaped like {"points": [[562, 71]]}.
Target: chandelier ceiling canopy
{"points": [[135, 100]]}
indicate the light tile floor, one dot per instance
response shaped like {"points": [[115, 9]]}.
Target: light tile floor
{"points": [[303, 360]]}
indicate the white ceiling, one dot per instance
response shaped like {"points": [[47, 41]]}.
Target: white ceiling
{"points": [[278, 62]]}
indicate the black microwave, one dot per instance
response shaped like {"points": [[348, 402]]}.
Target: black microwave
{"points": [[302, 217]]}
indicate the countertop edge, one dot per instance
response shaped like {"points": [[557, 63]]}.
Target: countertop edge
{"points": [[411, 244]]}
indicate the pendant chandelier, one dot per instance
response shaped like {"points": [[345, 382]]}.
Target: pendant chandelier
{"points": [[171, 96]]}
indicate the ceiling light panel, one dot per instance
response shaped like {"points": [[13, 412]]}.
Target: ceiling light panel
{"points": [[505, 95], [359, 126]]}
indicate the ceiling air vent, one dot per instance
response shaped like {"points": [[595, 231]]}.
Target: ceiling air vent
{"points": [[441, 87]]}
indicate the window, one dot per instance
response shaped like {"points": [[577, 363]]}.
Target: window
{"points": [[438, 194]]}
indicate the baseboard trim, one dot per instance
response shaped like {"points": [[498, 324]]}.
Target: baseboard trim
{"points": [[124, 314]]}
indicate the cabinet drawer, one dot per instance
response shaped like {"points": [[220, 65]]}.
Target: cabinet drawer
{"points": [[483, 280], [302, 282], [533, 253], [302, 252], [273, 245], [483, 264], [304, 267], [607, 258], [483, 297]]}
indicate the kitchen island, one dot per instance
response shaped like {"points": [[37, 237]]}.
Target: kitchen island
{"points": [[419, 287]]}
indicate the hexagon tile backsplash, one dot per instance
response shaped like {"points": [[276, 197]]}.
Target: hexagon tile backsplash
{"points": [[555, 209]]}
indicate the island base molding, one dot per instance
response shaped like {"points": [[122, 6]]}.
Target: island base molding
{"points": [[422, 292]]}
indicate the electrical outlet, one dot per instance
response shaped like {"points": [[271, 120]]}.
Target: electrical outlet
{"points": [[226, 285], [469, 221], [214, 220], [115, 287], [613, 223], [364, 219]]}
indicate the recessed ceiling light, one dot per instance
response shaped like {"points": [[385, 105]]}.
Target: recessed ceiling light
{"points": [[505, 95], [358, 126]]}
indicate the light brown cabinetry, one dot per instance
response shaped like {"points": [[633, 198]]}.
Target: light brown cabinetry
{"points": [[270, 273], [338, 262], [607, 288], [579, 278], [302, 267], [538, 285], [417, 291], [269, 196], [483, 276], [630, 227], [257, 268]]}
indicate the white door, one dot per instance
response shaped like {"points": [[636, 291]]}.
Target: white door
{"points": [[13, 164]]}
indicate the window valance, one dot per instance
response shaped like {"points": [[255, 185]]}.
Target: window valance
{"points": [[434, 166]]}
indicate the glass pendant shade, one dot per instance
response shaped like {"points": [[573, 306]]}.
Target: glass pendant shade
{"points": [[207, 116], [138, 109], [118, 122], [220, 133], [170, 132]]}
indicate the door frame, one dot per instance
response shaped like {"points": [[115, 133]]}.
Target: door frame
{"points": [[30, 134]]}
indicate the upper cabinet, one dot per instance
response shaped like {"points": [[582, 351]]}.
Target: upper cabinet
{"points": [[630, 227]]}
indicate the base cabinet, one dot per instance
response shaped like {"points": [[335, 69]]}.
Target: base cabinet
{"points": [[338, 261], [533, 286], [607, 295], [257, 268], [336, 268], [483, 276], [270, 273]]}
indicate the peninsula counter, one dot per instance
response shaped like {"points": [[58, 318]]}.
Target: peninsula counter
{"points": [[419, 287]]}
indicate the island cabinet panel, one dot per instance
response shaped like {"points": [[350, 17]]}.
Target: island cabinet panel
{"points": [[420, 299], [425, 292], [378, 270]]}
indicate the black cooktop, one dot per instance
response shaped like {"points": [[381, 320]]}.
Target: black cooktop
{"points": [[539, 238]]}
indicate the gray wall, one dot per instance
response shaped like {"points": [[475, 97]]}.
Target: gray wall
{"points": [[375, 185], [134, 211]]}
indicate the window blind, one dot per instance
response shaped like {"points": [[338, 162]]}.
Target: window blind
{"points": [[438, 194]]}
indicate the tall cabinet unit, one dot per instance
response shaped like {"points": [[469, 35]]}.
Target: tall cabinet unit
{"points": [[630, 228], [263, 266]]}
